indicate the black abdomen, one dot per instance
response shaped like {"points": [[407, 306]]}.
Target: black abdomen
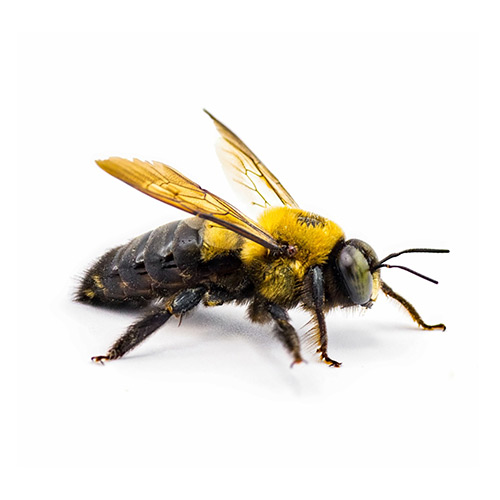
{"points": [[154, 264]]}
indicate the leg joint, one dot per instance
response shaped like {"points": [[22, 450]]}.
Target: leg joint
{"points": [[186, 300]]}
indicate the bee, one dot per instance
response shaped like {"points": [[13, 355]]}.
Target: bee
{"points": [[287, 258]]}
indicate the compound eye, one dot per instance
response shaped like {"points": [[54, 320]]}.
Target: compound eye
{"points": [[356, 274]]}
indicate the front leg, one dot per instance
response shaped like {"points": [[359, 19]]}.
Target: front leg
{"points": [[411, 310], [318, 297], [320, 327]]}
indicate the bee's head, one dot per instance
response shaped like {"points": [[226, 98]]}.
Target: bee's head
{"points": [[356, 262], [359, 269]]}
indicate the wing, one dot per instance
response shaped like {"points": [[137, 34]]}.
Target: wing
{"points": [[248, 173], [166, 184]]}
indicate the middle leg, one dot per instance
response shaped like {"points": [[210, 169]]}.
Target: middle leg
{"points": [[264, 311]]}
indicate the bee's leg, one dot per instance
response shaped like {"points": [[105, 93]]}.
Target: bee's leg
{"points": [[318, 299], [262, 311], [320, 326], [183, 302], [411, 310], [135, 334], [285, 331]]}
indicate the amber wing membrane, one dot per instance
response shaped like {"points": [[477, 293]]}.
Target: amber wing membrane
{"points": [[169, 186], [250, 176]]}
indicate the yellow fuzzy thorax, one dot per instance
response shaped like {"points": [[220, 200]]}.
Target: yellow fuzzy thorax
{"points": [[313, 237]]}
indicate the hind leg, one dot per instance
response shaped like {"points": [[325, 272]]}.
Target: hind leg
{"points": [[135, 334]]}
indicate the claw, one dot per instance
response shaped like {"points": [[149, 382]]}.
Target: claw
{"points": [[326, 359], [99, 359], [297, 362], [331, 362], [439, 326]]}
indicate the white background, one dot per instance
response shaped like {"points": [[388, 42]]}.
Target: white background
{"points": [[389, 126]]}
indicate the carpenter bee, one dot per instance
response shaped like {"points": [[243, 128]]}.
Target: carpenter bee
{"points": [[287, 258]]}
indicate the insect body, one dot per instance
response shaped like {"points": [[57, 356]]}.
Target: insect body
{"points": [[288, 258]]}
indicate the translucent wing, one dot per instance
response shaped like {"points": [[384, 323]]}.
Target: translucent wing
{"points": [[166, 184], [247, 172]]}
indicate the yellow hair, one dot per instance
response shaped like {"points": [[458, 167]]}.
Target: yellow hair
{"points": [[313, 237]]}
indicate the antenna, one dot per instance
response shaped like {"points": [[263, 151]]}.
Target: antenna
{"points": [[381, 263]]}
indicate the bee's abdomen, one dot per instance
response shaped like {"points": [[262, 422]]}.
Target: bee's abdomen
{"points": [[148, 266]]}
